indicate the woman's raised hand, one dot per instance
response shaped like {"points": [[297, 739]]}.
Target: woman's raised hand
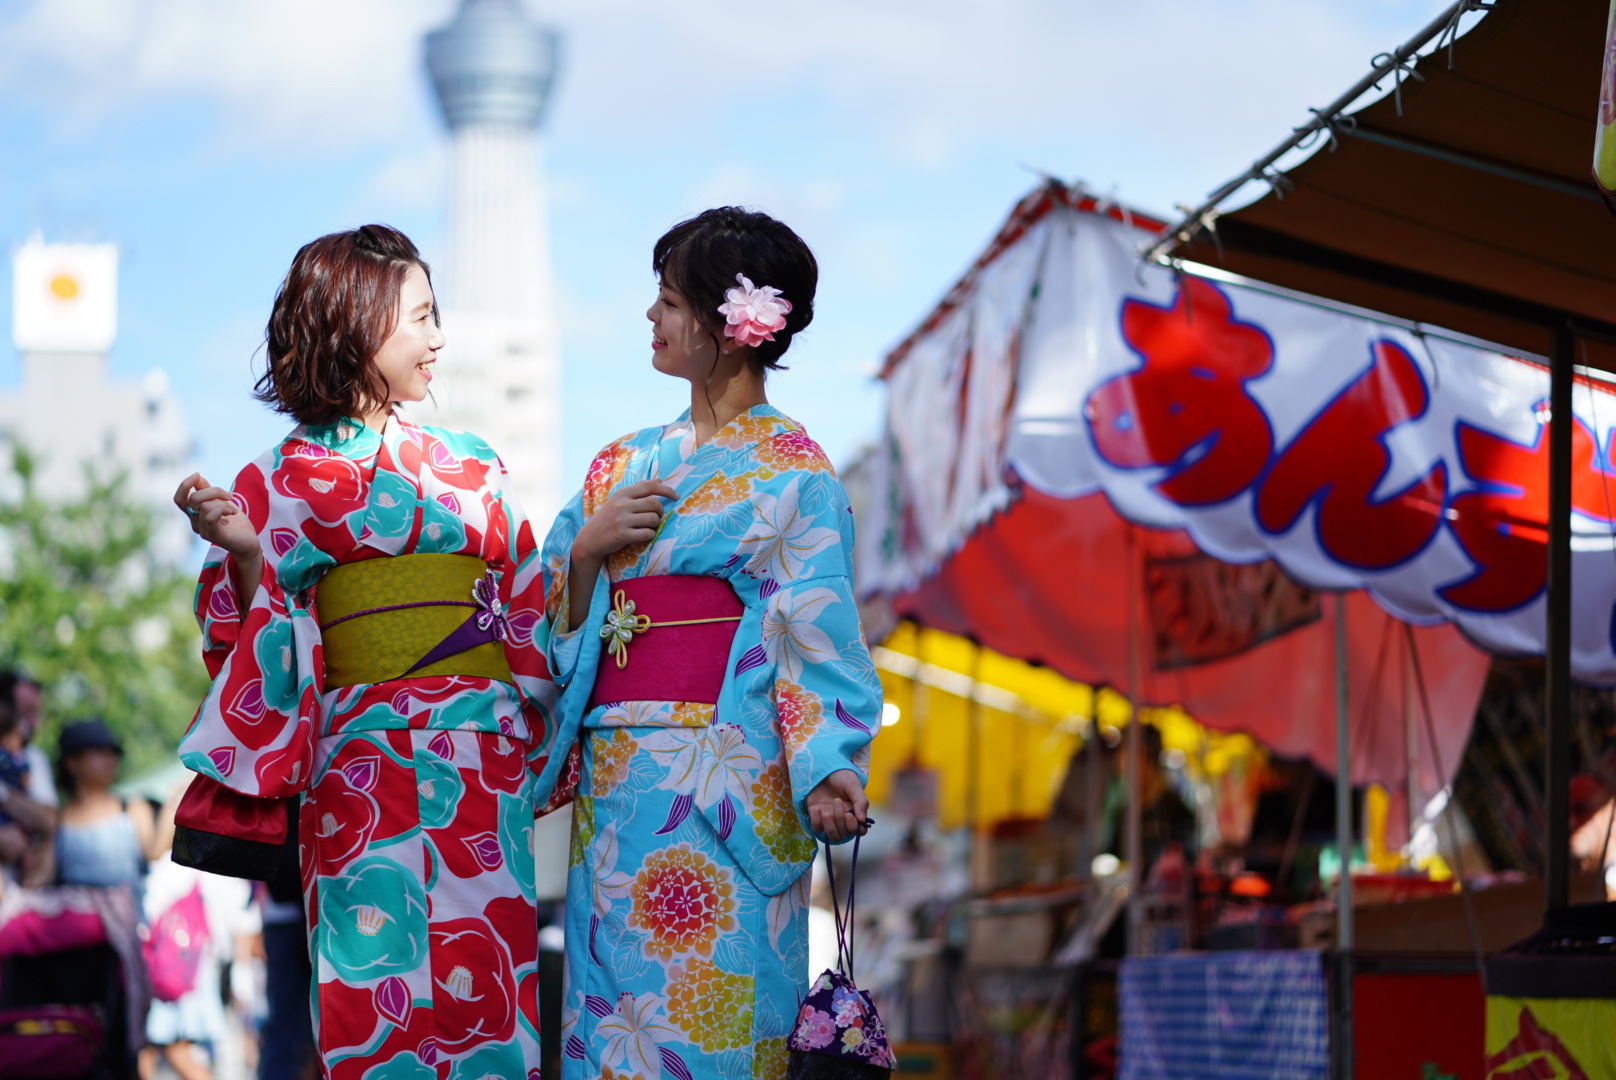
{"points": [[216, 519], [630, 516], [838, 807]]}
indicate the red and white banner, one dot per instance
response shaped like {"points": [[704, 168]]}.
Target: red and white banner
{"points": [[1354, 451]]}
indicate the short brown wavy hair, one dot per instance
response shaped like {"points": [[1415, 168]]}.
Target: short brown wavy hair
{"points": [[332, 314]]}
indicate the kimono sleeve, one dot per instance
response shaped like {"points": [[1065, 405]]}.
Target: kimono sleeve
{"points": [[527, 637], [523, 588], [826, 693], [572, 658], [564, 637], [256, 728], [606, 472]]}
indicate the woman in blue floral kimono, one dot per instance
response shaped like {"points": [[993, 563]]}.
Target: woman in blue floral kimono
{"points": [[703, 624]]}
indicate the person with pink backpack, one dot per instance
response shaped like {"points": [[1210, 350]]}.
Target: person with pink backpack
{"points": [[192, 922]]}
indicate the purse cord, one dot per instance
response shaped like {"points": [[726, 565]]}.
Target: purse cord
{"points": [[844, 925]]}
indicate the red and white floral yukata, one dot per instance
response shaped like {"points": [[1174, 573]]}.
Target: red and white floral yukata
{"points": [[417, 793]]}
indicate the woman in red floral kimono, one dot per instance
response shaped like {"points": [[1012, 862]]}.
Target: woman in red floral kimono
{"points": [[374, 623]]}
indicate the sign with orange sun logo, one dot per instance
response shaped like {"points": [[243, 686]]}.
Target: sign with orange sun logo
{"points": [[64, 297]]}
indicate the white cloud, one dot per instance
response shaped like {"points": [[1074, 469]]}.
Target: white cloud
{"points": [[311, 74], [925, 79], [413, 178], [886, 131], [928, 78]]}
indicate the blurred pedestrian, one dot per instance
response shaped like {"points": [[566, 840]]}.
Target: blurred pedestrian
{"points": [[102, 839], [1165, 818], [286, 1040], [27, 794], [176, 1029], [28, 702]]}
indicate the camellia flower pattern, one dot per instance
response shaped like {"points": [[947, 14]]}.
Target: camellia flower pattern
{"points": [[686, 913], [417, 794]]}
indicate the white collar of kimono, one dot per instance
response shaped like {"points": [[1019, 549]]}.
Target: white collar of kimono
{"points": [[354, 438]]}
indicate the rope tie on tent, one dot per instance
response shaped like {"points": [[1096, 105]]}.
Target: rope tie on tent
{"points": [[1397, 64], [1400, 69], [1207, 223], [1332, 127], [1277, 182], [1450, 33]]}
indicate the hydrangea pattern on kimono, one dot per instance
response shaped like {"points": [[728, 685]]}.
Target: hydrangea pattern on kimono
{"points": [[687, 897]]}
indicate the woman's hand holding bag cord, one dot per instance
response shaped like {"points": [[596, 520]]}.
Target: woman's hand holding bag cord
{"points": [[838, 1035], [838, 809]]}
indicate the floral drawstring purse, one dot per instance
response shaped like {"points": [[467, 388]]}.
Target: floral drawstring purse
{"points": [[838, 1035]]}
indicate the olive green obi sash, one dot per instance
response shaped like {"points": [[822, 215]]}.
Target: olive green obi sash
{"points": [[411, 616]]}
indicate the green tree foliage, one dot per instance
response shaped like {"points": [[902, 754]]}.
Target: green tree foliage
{"points": [[89, 610]]}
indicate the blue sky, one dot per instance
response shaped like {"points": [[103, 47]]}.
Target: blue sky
{"points": [[210, 138]]}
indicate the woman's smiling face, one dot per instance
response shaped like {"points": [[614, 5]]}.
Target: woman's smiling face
{"points": [[680, 345], [406, 357]]}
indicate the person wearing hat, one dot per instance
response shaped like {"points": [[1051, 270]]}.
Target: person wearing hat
{"points": [[101, 839]]}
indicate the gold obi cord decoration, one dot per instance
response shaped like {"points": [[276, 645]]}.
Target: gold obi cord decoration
{"points": [[622, 624], [411, 616]]}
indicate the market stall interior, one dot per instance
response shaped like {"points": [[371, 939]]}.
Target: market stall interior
{"points": [[1282, 479], [1499, 232]]}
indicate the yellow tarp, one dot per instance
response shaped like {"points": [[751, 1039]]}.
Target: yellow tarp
{"points": [[1551, 1037], [1029, 720]]}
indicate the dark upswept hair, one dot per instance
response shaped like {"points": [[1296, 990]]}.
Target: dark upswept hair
{"points": [[699, 258], [332, 314]]}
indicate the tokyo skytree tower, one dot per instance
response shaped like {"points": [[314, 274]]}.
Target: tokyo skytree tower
{"points": [[493, 68]]}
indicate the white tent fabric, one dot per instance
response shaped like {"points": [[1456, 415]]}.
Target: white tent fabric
{"points": [[1355, 451]]}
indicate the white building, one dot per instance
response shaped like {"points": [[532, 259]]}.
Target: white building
{"points": [[67, 411], [493, 67]]}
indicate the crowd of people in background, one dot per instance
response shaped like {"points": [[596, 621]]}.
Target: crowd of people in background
{"points": [[68, 822]]}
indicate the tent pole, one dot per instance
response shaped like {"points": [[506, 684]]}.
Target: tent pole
{"points": [[1093, 796], [1343, 842], [1414, 792], [1557, 740], [1133, 771], [973, 776], [919, 701], [1343, 780]]}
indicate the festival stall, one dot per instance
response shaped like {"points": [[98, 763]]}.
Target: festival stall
{"points": [[1291, 519], [1475, 195]]}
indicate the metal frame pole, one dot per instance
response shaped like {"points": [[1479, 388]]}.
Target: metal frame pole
{"points": [[1557, 651], [1133, 772], [1094, 782], [980, 857], [1413, 790], [1391, 64], [1343, 841]]}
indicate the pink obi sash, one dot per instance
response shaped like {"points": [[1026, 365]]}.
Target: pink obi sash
{"points": [[666, 638]]}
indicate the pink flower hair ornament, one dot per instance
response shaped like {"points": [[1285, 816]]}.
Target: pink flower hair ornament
{"points": [[753, 313]]}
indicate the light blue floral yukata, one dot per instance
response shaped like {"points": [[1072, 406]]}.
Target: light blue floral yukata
{"points": [[687, 894]]}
